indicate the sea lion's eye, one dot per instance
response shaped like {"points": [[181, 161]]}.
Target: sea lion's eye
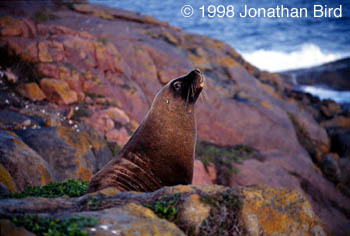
{"points": [[177, 85]]}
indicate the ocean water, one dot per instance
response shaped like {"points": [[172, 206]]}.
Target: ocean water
{"points": [[272, 44], [322, 92]]}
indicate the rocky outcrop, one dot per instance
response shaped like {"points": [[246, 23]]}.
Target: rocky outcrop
{"points": [[334, 75], [180, 210], [100, 68]]}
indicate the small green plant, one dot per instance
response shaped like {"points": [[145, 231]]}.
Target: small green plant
{"points": [[71, 188], [81, 110], [94, 95], [94, 203], [165, 208], [115, 148], [103, 40], [43, 226], [225, 158], [69, 66], [41, 17]]}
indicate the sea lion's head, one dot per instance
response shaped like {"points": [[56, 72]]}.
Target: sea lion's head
{"points": [[182, 91], [188, 87]]}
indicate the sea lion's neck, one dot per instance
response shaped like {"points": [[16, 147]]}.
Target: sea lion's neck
{"points": [[168, 133]]}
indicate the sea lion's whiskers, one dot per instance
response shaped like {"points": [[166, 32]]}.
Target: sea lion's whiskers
{"points": [[204, 94], [187, 98]]}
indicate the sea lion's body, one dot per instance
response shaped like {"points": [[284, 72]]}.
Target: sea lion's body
{"points": [[161, 151]]}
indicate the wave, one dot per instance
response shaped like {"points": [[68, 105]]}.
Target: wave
{"points": [[276, 61], [326, 93]]}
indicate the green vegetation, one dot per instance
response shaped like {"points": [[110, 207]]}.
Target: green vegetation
{"points": [[224, 158], [94, 95], [82, 110], [115, 148], [71, 188], [94, 203], [50, 226], [41, 17], [69, 66], [103, 40], [223, 219], [165, 208], [211, 153]]}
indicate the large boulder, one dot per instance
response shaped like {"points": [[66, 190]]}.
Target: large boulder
{"points": [[180, 210]]}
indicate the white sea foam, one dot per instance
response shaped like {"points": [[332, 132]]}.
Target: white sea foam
{"points": [[274, 61], [325, 93]]}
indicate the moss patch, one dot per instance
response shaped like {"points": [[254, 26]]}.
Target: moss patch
{"points": [[41, 17], [225, 158], [81, 110], [115, 148], [166, 207], [71, 188], [51, 226]]}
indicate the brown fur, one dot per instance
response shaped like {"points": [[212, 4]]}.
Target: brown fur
{"points": [[161, 151]]}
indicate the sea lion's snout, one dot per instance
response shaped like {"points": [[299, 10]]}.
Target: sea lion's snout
{"points": [[188, 86], [197, 77]]}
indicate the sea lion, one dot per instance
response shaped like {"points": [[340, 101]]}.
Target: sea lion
{"points": [[161, 151]]}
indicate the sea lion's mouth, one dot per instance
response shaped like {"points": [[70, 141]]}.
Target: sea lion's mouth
{"points": [[197, 83]]}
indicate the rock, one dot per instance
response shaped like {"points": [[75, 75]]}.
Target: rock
{"points": [[337, 122], [330, 167], [8, 228], [200, 175], [4, 190], [341, 143], [268, 211], [10, 119], [44, 55], [11, 77], [32, 91], [21, 166], [131, 219], [334, 75], [17, 27], [196, 210], [120, 137], [117, 115], [70, 155], [58, 91], [344, 166], [330, 109]]}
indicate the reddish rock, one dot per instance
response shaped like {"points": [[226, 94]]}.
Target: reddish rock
{"points": [[48, 70], [117, 115], [58, 91], [32, 91], [26, 48], [44, 55], [20, 165], [120, 136], [17, 27], [200, 175]]}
